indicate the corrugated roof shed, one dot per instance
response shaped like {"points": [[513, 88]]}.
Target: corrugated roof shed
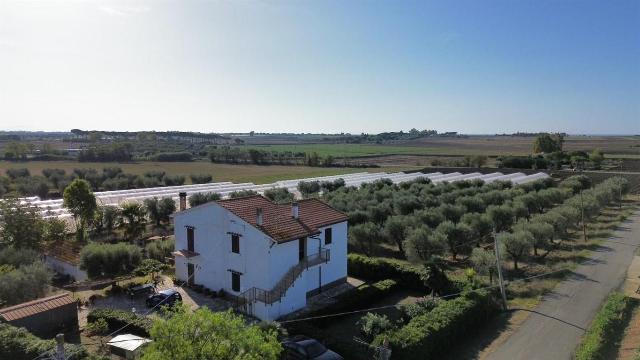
{"points": [[128, 342], [34, 307]]}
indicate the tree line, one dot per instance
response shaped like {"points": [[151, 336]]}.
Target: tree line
{"points": [[239, 155], [52, 182]]}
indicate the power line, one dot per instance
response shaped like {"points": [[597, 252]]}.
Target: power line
{"points": [[126, 325], [437, 297]]}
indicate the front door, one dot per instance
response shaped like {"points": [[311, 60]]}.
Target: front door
{"points": [[302, 248], [190, 274]]}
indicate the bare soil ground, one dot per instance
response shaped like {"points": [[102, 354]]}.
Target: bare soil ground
{"points": [[630, 344], [489, 145]]}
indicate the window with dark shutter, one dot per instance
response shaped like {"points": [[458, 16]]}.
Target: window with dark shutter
{"points": [[190, 239], [235, 243], [235, 281], [327, 236]]}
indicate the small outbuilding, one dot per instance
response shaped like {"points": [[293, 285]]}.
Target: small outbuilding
{"points": [[44, 317], [127, 346], [63, 257]]}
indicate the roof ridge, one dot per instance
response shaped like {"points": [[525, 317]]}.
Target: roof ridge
{"points": [[32, 302]]}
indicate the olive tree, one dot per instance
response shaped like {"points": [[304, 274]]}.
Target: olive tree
{"points": [[456, 236], [516, 245], [484, 262], [364, 237], [501, 216], [423, 243], [395, 230]]}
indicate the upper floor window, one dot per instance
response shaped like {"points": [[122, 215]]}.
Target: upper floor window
{"points": [[328, 236], [190, 239], [235, 243]]}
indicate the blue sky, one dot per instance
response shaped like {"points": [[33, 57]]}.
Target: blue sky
{"points": [[321, 66]]}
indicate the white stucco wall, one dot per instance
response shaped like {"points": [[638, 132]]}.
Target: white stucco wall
{"points": [[65, 268], [212, 241], [336, 267], [261, 262]]}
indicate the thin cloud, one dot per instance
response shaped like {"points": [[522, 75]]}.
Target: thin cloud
{"points": [[124, 10]]}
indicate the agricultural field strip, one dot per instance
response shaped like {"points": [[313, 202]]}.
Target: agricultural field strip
{"points": [[54, 208]]}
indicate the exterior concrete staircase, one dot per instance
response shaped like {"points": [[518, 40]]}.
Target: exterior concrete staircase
{"points": [[275, 294]]}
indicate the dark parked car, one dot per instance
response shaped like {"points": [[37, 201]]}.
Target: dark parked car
{"points": [[301, 347], [167, 297], [141, 290]]}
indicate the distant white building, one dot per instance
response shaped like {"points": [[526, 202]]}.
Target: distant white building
{"points": [[270, 256]]}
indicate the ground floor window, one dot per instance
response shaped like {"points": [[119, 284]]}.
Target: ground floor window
{"points": [[235, 281]]}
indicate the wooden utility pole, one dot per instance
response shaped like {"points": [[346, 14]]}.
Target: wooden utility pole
{"points": [[498, 264]]}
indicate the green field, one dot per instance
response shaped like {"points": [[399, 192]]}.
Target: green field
{"points": [[354, 150], [622, 146], [220, 172]]}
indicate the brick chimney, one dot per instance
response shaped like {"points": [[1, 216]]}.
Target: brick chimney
{"points": [[183, 201], [259, 217], [295, 210]]}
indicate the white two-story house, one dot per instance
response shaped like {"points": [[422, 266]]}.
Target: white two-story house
{"points": [[269, 256]]}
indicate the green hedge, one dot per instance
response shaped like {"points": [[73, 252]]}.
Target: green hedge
{"points": [[116, 319], [360, 296], [357, 298], [432, 334], [372, 268], [407, 275], [354, 299], [606, 328], [20, 344]]}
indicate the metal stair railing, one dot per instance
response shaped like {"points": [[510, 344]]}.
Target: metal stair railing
{"points": [[254, 294]]}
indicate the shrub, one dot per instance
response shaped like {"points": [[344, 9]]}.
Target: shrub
{"points": [[24, 283], [109, 260], [17, 257], [433, 333], [279, 195], [203, 198], [359, 297], [606, 328], [20, 344], [159, 250], [173, 156], [418, 308], [374, 269], [200, 178], [371, 325], [115, 319], [242, 193], [172, 180], [98, 327], [308, 187], [17, 173], [150, 267]]}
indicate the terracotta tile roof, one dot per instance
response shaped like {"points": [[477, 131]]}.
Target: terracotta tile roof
{"points": [[185, 253], [63, 250], [34, 307], [278, 223]]}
